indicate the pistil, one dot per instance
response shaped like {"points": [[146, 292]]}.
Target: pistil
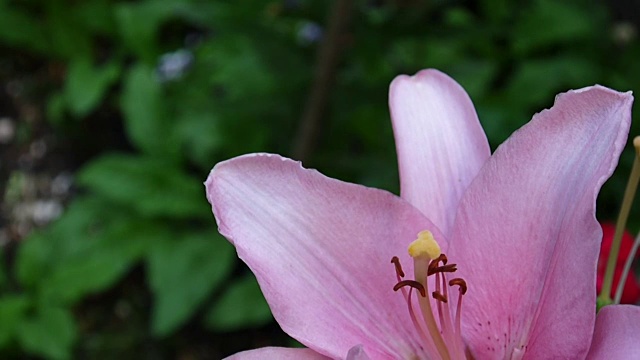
{"points": [[443, 338]]}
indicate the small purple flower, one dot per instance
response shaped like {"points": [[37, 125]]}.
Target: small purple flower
{"points": [[310, 33], [172, 66]]}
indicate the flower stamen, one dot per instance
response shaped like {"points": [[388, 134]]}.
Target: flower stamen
{"points": [[443, 337], [441, 269], [438, 296], [396, 263], [412, 284], [462, 289], [461, 283]]}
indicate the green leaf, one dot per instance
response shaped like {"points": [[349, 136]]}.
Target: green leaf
{"points": [[459, 17], [67, 236], [497, 10], [87, 250], [138, 25], [34, 258], [541, 79], [182, 273], [56, 107], [562, 23], [241, 306], [50, 333], [3, 275], [151, 186], [97, 16], [19, 29], [68, 38], [86, 85], [238, 66], [115, 251], [475, 76], [13, 309], [203, 136], [146, 116]]}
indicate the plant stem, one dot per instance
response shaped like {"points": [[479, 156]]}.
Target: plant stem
{"points": [[629, 193], [627, 268], [324, 76]]}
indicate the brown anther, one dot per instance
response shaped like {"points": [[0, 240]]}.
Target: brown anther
{"points": [[435, 263], [460, 282], [432, 265], [396, 262], [436, 295], [411, 283], [441, 269]]}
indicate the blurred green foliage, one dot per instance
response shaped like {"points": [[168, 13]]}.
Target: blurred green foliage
{"points": [[194, 83]]}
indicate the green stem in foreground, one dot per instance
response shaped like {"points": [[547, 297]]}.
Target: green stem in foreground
{"points": [[626, 270], [605, 294]]}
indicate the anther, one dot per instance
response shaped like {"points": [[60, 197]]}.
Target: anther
{"points": [[461, 283], [436, 295], [411, 283], [436, 262], [432, 265], [396, 262], [442, 269]]}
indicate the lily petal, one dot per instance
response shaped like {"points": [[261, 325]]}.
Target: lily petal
{"points": [[357, 353], [277, 353], [320, 249], [616, 333], [526, 239], [440, 143]]}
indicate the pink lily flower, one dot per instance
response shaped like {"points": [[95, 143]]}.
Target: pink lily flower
{"points": [[518, 229]]}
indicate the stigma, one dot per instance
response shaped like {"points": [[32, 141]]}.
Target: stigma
{"points": [[441, 337]]}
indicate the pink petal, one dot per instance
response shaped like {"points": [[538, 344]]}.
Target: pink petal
{"points": [[321, 251], [277, 353], [526, 239], [441, 145], [616, 333], [357, 353]]}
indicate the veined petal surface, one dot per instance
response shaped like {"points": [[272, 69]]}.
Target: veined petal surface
{"points": [[321, 251], [440, 143], [526, 238]]}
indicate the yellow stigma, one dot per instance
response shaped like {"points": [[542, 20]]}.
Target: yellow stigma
{"points": [[424, 246]]}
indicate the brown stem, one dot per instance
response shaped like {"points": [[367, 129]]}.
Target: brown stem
{"points": [[324, 76]]}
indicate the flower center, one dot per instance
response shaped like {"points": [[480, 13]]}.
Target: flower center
{"points": [[442, 338]]}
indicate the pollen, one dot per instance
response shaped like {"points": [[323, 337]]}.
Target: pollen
{"points": [[424, 246]]}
